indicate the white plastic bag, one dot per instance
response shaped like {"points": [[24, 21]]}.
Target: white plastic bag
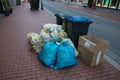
{"points": [[44, 36], [35, 42], [62, 35], [30, 35], [71, 43], [51, 27]]}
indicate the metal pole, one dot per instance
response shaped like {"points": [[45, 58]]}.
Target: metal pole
{"points": [[42, 5]]}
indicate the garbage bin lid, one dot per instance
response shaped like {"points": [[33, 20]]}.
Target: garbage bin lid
{"points": [[78, 19], [60, 15]]}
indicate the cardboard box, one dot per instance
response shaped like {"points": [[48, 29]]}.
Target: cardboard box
{"points": [[92, 49]]}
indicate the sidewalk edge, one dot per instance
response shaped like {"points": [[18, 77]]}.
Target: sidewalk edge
{"points": [[49, 12], [117, 66]]}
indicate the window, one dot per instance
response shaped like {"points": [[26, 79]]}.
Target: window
{"points": [[105, 3], [119, 6], [99, 2], [113, 3]]}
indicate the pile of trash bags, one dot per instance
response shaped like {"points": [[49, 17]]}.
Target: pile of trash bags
{"points": [[48, 33], [53, 46]]}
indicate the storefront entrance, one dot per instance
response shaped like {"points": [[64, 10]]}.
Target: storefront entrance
{"points": [[114, 4]]}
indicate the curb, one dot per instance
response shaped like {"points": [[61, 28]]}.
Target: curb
{"points": [[111, 61]]}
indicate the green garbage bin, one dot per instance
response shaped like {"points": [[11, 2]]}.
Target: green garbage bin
{"points": [[60, 20], [77, 26]]}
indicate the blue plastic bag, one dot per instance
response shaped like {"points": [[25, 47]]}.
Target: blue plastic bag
{"points": [[48, 54], [65, 56]]}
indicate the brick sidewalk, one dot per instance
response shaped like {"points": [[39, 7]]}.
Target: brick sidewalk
{"points": [[17, 62]]}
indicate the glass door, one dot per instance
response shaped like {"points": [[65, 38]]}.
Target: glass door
{"points": [[72, 0], [79, 1], [119, 6], [113, 3], [99, 2]]}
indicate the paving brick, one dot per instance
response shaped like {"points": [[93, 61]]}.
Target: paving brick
{"points": [[42, 78], [52, 76], [96, 79], [89, 76], [104, 77], [30, 73], [98, 75], [90, 73], [16, 79], [83, 74], [112, 76], [3, 77], [82, 78], [67, 78], [75, 76], [21, 74], [35, 76], [54, 72], [26, 77]]}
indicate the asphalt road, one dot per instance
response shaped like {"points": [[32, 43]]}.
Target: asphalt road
{"points": [[101, 27]]}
